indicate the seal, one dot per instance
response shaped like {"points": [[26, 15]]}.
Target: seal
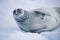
{"points": [[37, 20]]}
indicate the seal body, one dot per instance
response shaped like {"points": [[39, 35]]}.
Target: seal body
{"points": [[37, 20]]}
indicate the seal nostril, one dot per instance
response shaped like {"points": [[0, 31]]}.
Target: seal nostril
{"points": [[14, 12], [19, 10]]}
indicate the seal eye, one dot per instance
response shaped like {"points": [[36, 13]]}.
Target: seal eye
{"points": [[41, 14], [37, 13]]}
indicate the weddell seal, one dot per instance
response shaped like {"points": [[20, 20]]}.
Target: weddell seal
{"points": [[37, 20]]}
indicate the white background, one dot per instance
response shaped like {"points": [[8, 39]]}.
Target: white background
{"points": [[8, 27]]}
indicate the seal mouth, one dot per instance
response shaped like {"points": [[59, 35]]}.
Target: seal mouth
{"points": [[19, 20]]}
